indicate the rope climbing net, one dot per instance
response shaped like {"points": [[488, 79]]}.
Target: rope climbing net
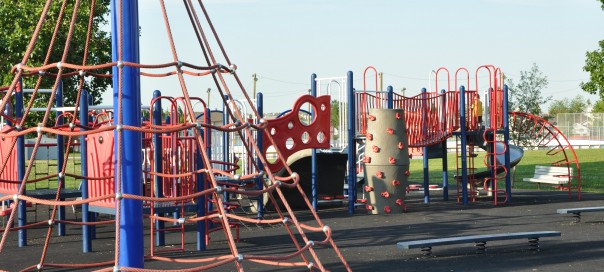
{"points": [[303, 252]]}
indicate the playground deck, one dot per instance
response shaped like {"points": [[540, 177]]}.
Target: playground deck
{"points": [[368, 242]]}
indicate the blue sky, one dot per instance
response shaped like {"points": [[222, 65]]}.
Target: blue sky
{"points": [[284, 41]]}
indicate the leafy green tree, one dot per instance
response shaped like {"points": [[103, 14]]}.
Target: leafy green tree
{"points": [[335, 117], [594, 65], [18, 20], [576, 105], [526, 95], [598, 107]]}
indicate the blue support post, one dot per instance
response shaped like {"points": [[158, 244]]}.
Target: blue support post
{"points": [[225, 135], [200, 186], [314, 171], [156, 111], [444, 148], [22, 212], [131, 213], [390, 100], [464, 142], [425, 148], [86, 234], [260, 143], [207, 205], [352, 150], [506, 142], [60, 158], [92, 215]]}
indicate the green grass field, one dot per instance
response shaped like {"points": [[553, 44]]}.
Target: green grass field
{"points": [[591, 166]]}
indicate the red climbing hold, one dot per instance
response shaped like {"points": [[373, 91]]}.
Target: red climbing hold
{"points": [[379, 174], [371, 118], [375, 149], [401, 145], [387, 209], [369, 207], [385, 194], [398, 116], [369, 136], [407, 173], [399, 202], [391, 160], [396, 182], [390, 131], [368, 188], [367, 160]]}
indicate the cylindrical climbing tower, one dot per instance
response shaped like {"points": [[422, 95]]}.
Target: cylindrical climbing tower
{"points": [[386, 161]]}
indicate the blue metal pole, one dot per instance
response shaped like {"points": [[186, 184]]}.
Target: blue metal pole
{"points": [[160, 239], [352, 150], [93, 214], [314, 175], [506, 142], [390, 100], [225, 135], [60, 158], [444, 148], [200, 184], [260, 143], [464, 158], [131, 213], [86, 234], [425, 148], [22, 213]]}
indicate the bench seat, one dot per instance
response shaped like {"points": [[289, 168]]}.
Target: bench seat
{"points": [[557, 175], [480, 240], [577, 211]]}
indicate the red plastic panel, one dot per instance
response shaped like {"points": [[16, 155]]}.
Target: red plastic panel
{"points": [[101, 164], [10, 171], [291, 135]]}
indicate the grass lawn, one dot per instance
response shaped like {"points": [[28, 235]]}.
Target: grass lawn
{"points": [[591, 162]]}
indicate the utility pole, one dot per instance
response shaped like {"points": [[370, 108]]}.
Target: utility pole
{"points": [[209, 97], [254, 88]]}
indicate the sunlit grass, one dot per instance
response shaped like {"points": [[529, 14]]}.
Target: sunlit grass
{"points": [[591, 163]]}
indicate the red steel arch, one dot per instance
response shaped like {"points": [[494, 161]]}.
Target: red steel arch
{"points": [[547, 135]]}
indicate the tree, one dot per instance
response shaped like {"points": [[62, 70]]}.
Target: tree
{"points": [[594, 65], [598, 107], [335, 117], [576, 105], [18, 20], [526, 96]]}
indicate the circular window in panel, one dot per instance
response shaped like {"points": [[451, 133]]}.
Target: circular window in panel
{"points": [[321, 137], [305, 137], [290, 125], [305, 114], [289, 143], [271, 154]]}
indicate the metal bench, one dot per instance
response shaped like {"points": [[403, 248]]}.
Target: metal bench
{"points": [[557, 175], [577, 211], [479, 240]]}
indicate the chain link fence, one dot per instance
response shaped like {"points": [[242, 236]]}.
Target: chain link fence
{"points": [[582, 129]]}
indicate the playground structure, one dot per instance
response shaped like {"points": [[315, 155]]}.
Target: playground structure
{"points": [[150, 169], [434, 116], [136, 169]]}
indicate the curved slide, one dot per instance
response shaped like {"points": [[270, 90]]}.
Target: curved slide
{"points": [[331, 168], [516, 154]]}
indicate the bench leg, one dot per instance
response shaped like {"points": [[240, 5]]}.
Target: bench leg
{"points": [[481, 247], [534, 244], [577, 217], [427, 251]]}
